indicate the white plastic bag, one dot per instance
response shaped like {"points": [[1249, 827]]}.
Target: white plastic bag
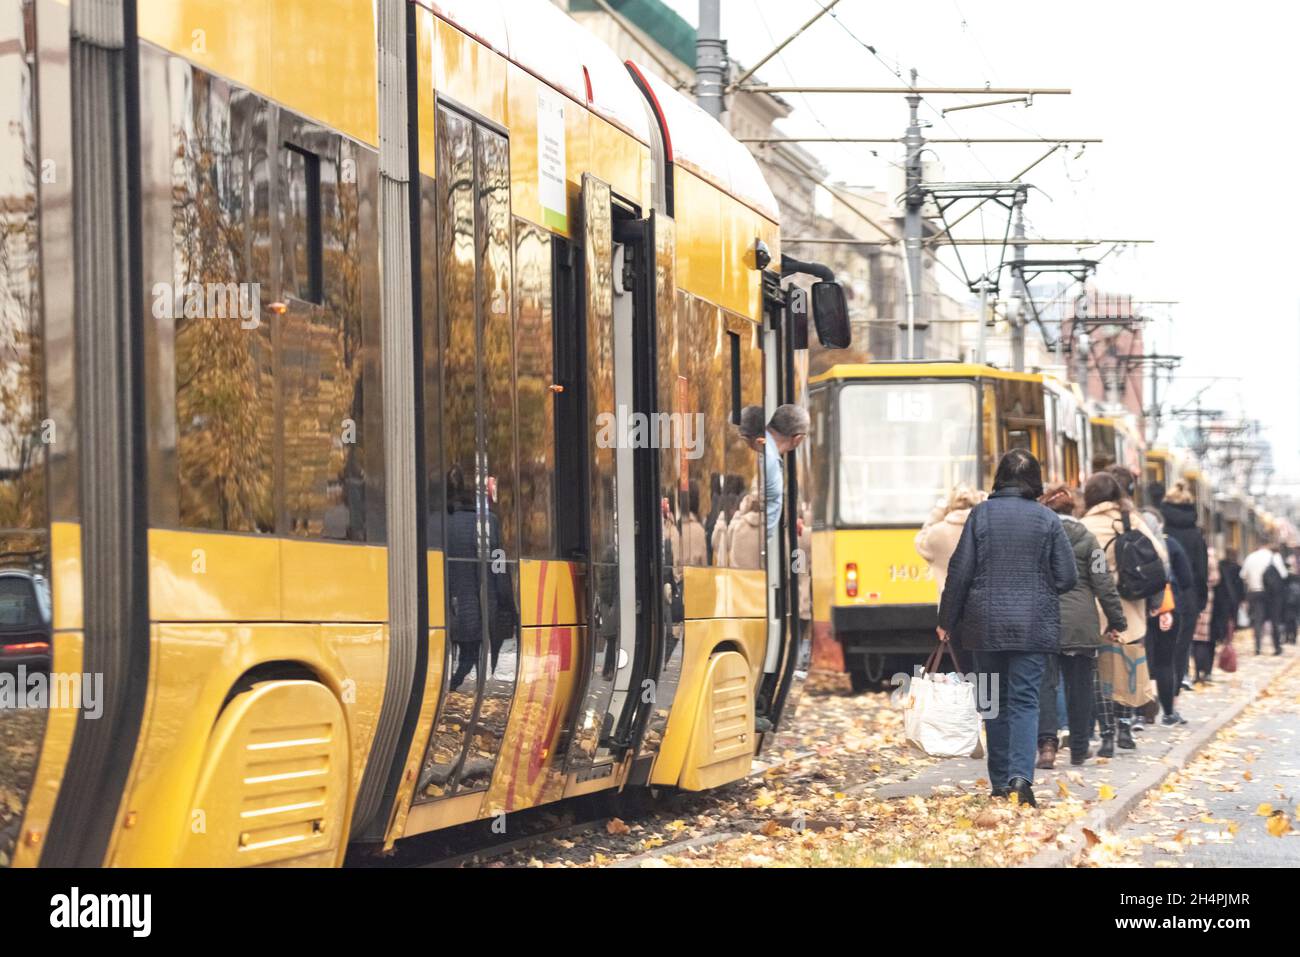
{"points": [[940, 716]]}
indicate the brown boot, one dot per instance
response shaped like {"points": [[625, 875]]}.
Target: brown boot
{"points": [[1046, 754]]}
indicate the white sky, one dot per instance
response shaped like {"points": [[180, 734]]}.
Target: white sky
{"points": [[1192, 100]]}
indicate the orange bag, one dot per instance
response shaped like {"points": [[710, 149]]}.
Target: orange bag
{"points": [[1166, 603]]}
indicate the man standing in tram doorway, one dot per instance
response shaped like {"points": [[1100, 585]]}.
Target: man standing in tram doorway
{"points": [[784, 433]]}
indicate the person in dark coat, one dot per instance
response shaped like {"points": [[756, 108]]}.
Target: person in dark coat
{"points": [[1291, 598], [1228, 596], [465, 622], [1179, 513], [1076, 665], [1162, 646], [1002, 603]]}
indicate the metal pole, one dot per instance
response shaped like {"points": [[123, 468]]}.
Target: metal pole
{"points": [[710, 60], [1019, 288], [984, 308], [913, 226]]}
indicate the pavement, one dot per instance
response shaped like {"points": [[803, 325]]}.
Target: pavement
{"points": [[1115, 787], [1234, 804]]}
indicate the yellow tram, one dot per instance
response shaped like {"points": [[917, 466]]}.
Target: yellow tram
{"points": [[328, 328], [1117, 440], [890, 440]]}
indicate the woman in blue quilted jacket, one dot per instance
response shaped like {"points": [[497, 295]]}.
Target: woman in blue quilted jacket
{"points": [[1002, 603]]}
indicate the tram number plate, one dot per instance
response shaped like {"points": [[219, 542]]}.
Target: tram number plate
{"points": [[910, 573], [909, 407]]}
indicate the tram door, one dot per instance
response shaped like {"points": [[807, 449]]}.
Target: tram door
{"points": [[629, 609], [480, 483]]}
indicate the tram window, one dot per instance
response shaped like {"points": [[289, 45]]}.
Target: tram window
{"points": [[435, 503], [990, 450], [495, 290], [331, 433], [701, 353], [902, 448], [454, 141], [535, 356], [818, 403], [1019, 439], [569, 352], [743, 464], [300, 224], [224, 371]]}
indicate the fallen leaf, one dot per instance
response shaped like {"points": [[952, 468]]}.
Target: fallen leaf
{"points": [[1278, 824], [616, 826], [1264, 810], [1062, 788], [1106, 792]]}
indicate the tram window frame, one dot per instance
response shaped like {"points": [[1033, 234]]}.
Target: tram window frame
{"points": [[733, 344], [990, 433], [822, 454]]}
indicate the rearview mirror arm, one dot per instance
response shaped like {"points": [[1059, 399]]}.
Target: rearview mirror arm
{"points": [[791, 266]]}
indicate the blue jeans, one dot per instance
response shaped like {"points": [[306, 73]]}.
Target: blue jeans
{"points": [[1013, 734]]}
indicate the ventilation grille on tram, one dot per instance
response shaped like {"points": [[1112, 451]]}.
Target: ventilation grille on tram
{"points": [[285, 787]]}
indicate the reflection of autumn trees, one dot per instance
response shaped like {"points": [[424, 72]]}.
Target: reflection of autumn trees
{"points": [[456, 248], [498, 338], [323, 365], [533, 350], [24, 541], [701, 337], [224, 373], [228, 377], [23, 509]]}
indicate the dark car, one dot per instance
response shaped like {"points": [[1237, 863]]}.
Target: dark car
{"points": [[24, 620]]}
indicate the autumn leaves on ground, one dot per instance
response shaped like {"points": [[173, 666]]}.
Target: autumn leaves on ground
{"points": [[818, 807], [815, 807]]}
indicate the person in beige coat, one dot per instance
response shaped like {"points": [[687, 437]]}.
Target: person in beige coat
{"points": [[937, 539], [745, 534], [1105, 502]]}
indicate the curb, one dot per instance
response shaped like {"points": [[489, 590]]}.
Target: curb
{"points": [[1117, 809]]}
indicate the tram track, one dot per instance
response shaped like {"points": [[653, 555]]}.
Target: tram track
{"points": [[470, 846]]}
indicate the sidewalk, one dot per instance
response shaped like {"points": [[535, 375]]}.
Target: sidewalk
{"points": [[1155, 743]]}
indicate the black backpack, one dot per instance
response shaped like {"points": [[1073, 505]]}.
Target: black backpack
{"points": [[1138, 565]]}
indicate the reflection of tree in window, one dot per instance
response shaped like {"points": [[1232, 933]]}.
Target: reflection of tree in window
{"points": [[536, 414], [324, 436], [220, 232]]}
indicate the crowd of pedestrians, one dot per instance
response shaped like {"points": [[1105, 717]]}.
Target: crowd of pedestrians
{"points": [[1087, 615]]}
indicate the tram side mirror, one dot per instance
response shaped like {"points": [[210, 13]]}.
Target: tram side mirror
{"points": [[830, 312]]}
